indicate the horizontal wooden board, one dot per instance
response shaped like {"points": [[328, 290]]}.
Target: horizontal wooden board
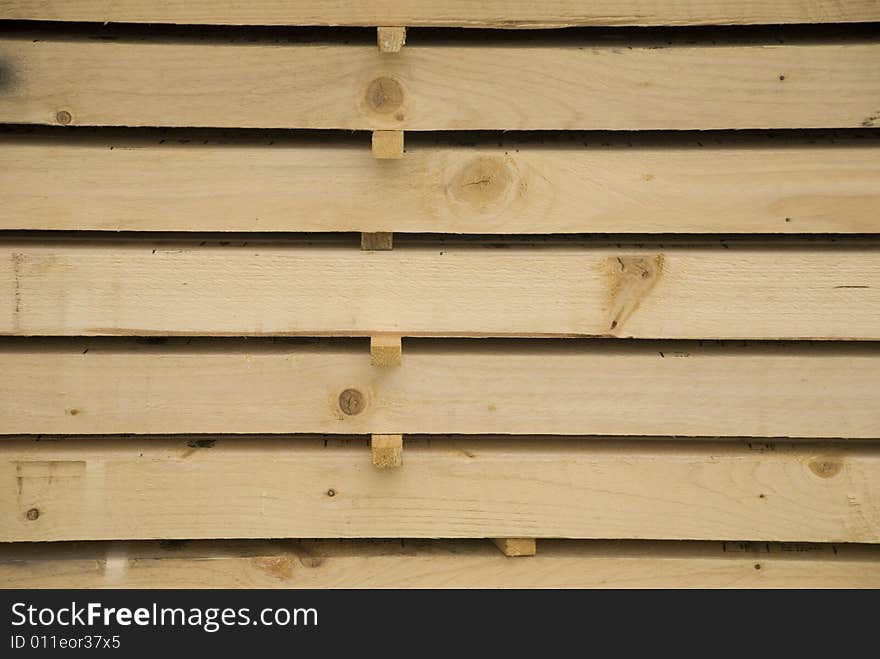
{"points": [[567, 387], [437, 564], [459, 13], [198, 181], [138, 287], [439, 87], [155, 488]]}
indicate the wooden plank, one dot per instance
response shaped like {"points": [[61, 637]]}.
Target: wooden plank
{"points": [[105, 386], [450, 13], [440, 87], [538, 487], [199, 181], [437, 564], [720, 290]]}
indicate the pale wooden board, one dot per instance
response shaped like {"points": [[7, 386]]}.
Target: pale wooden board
{"points": [[570, 387], [464, 13], [437, 564], [244, 487], [733, 290], [175, 182], [441, 87]]}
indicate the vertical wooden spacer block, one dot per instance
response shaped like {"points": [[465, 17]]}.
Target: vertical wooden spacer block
{"points": [[387, 451], [381, 240], [386, 350], [390, 39], [516, 546], [388, 144]]}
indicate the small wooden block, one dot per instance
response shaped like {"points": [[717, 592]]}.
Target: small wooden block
{"points": [[388, 144], [390, 39], [381, 240], [387, 451], [386, 350], [515, 546]]}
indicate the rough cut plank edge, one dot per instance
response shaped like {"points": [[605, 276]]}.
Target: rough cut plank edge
{"points": [[515, 547], [720, 290], [390, 39], [533, 184], [436, 564], [387, 145], [387, 451], [386, 350], [458, 13], [451, 487], [377, 241], [440, 88], [565, 387]]}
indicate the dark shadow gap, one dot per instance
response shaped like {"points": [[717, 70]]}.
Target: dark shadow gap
{"points": [[592, 36], [441, 241], [126, 137], [537, 346]]}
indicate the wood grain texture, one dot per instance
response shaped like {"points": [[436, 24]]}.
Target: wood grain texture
{"points": [[437, 564], [155, 488], [572, 387], [175, 182], [730, 290], [444, 87], [463, 13]]}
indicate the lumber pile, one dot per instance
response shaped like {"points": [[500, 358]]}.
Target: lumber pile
{"points": [[308, 294]]}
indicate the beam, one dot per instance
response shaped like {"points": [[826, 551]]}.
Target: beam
{"points": [[466, 487], [442, 87], [251, 287], [571, 387], [560, 183], [450, 13]]}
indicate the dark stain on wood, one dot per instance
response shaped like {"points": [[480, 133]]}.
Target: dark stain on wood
{"points": [[630, 280]]}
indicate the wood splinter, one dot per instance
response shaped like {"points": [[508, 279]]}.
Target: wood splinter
{"points": [[390, 39], [516, 546], [388, 144], [386, 350], [387, 451]]}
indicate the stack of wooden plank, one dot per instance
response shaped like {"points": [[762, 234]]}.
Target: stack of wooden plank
{"points": [[295, 296]]}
